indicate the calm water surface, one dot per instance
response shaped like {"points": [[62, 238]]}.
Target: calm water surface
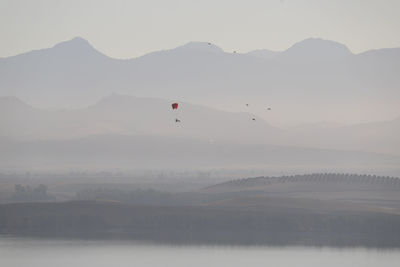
{"points": [[17, 252]]}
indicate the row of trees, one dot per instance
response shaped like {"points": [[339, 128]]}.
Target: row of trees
{"points": [[320, 177]]}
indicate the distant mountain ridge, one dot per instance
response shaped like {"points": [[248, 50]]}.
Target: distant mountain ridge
{"points": [[127, 115], [312, 73]]}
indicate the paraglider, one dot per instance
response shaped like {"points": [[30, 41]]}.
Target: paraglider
{"points": [[175, 109], [268, 108], [253, 119]]}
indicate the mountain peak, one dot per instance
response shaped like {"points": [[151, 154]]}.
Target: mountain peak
{"points": [[79, 39], [75, 44], [317, 49], [319, 42]]}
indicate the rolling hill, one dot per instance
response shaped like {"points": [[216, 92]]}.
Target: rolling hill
{"points": [[126, 115]]}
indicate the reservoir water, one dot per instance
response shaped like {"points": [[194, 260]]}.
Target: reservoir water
{"points": [[18, 252]]}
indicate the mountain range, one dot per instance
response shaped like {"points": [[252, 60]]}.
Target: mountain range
{"points": [[122, 131], [87, 109], [314, 80], [127, 115]]}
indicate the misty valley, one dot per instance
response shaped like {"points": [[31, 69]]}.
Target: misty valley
{"points": [[177, 152]]}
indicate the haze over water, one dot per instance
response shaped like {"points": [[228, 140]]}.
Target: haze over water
{"points": [[63, 253]]}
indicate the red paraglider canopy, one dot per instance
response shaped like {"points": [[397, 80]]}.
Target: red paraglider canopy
{"points": [[174, 106]]}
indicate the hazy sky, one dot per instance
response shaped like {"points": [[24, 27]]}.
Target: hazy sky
{"points": [[127, 29]]}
